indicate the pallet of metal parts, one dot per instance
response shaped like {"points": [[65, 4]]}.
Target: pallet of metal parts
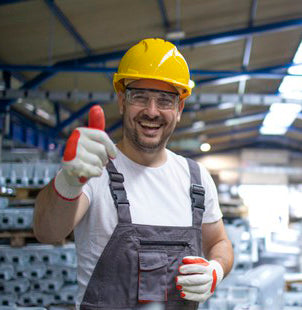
{"points": [[293, 299], [34, 253], [27, 174], [16, 218], [66, 255], [14, 256], [217, 303], [68, 294], [46, 254], [19, 286], [7, 299], [61, 307], [247, 307], [68, 273], [242, 295], [4, 202], [14, 307], [48, 285], [38, 275], [31, 271], [7, 272], [268, 281], [50, 255], [35, 299]]}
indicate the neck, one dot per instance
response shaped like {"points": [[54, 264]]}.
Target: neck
{"points": [[153, 159]]}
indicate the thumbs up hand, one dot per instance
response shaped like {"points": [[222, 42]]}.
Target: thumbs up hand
{"points": [[87, 151]]}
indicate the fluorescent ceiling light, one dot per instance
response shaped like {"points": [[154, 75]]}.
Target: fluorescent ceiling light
{"points": [[226, 105], [243, 120], [198, 125], [291, 86], [229, 80], [298, 56], [205, 147], [175, 35], [297, 69], [279, 118], [282, 115], [273, 130]]}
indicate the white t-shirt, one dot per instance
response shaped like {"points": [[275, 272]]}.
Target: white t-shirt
{"points": [[157, 196]]}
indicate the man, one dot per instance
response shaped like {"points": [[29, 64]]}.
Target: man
{"points": [[143, 232]]}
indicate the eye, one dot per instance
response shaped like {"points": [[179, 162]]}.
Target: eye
{"points": [[140, 97], [165, 101]]}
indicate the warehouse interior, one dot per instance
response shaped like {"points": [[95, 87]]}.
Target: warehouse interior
{"points": [[57, 60]]}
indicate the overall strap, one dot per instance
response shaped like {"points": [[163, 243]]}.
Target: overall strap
{"points": [[118, 193], [197, 193]]}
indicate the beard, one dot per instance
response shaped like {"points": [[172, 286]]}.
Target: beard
{"points": [[139, 143]]}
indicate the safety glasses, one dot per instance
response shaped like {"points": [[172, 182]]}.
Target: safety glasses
{"points": [[142, 97]]}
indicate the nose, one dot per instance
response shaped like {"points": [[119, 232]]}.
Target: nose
{"points": [[152, 109]]}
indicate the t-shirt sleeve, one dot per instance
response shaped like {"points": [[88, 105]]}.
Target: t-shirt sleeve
{"points": [[87, 190], [212, 209]]}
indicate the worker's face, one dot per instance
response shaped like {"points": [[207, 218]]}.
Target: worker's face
{"points": [[149, 128]]}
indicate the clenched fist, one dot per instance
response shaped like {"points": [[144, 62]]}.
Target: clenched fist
{"points": [[198, 278]]}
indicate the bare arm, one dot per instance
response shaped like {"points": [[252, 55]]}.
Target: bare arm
{"points": [[87, 150], [54, 217], [217, 246]]}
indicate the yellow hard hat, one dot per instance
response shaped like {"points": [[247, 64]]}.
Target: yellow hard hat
{"points": [[154, 59]]}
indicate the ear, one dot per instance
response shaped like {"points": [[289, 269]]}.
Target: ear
{"points": [[181, 106], [121, 101]]}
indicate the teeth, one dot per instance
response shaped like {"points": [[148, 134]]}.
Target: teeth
{"points": [[145, 124]]}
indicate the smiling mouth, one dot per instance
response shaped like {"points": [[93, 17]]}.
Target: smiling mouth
{"points": [[150, 125]]}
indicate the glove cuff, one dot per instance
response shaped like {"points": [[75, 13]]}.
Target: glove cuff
{"points": [[219, 270], [66, 187]]}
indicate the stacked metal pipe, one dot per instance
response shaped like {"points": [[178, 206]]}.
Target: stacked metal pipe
{"points": [[37, 275], [27, 174]]}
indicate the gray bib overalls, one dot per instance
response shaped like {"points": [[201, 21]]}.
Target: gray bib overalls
{"points": [[140, 262]]}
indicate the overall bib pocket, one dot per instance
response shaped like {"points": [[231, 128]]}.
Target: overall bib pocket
{"points": [[152, 278], [173, 252]]}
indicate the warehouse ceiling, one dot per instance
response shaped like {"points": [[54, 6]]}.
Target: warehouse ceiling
{"points": [[58, 57]]}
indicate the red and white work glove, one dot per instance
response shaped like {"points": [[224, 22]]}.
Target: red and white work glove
{"points": [[198, 278], [86, 152]]}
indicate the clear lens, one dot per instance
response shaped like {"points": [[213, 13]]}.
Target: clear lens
{"points": [[142, 97]]}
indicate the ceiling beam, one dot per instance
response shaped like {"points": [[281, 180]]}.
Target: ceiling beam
{"points": [[227, 122], [74, 116], [4, 2], [280, 142], [57, 12], [265, 72], [230, 132], [228, 76], [241, 33], [194, 103], [248, 46], [195, 41], [164, 16]]}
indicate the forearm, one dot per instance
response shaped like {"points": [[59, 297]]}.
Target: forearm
{"points": [[222, 252], [54, 217], [217, 246]]}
